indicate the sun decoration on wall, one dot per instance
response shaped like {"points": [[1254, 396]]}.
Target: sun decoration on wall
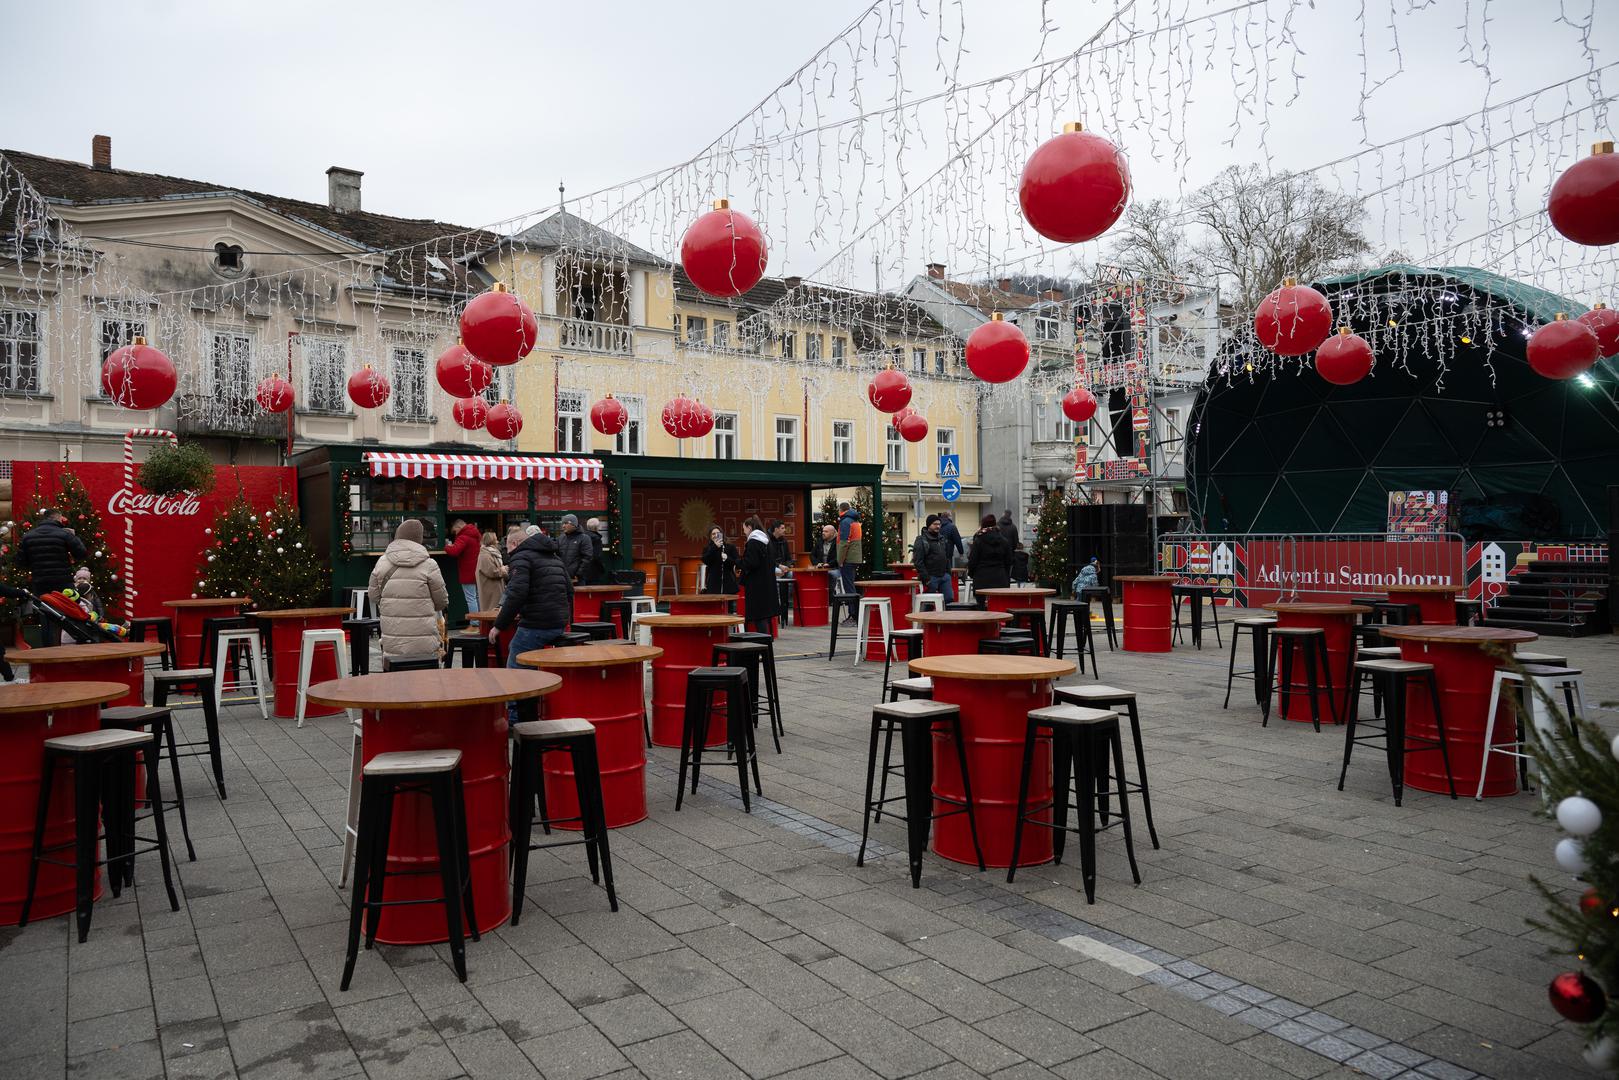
{"points": [[696, 516]]}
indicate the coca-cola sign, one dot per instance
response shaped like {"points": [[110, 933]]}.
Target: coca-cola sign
{"points": [[135, 503]]}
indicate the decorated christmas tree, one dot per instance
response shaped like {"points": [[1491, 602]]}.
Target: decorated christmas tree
{"points": [[266, 556], [79, 514], [1048, 559], [868, 550]]}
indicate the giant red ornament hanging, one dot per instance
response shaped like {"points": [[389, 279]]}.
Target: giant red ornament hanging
{"points": [[1079, 404], [723, 252], [497, 327], [997, 351], [274, 394], [899, 417], [461, 374], [681, 417], [702, 421], [889, 391], [1074, 186], [1344, 359], [504, 421], [138, 376], [1293, 320], [609, 416], [914, 428], [471, 412], [1577, 997], [1584, 202], [1603, 321], [1563, 348], [369, 388]]}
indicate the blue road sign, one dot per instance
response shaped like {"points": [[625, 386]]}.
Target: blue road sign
{"points": [[952, 490], [950, 466]]}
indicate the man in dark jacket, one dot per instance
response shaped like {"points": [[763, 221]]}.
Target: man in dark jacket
{"points": [[574, 547], [538, 597], [990, 560], [1008, 529], [930, 554], [851, 549], [48, 552], [951, 534]]}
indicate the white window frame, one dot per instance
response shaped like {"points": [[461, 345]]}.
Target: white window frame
{"points": [[789, 344], [894, 448], [814, 348], [696, 332], [399, 402], [570, 427], [131, 327], [787, 441], [944, 442], [843, 442], [238, 341], [632, 440], [722, 334], [325, 351], [13, 343], [839, 350], [919, 360], [1047, 328], [727, 431], [941, 361]]}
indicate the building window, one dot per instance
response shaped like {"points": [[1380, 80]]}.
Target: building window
{"points": [[1050, 425], [946, 441], [941, 361], [896, 450], [843, 441], [837, 351], [325, 374], [919, 361], [696, 331], [116, 333], [19, 352], [897, 354], [632, 440], [570, 421], [500, 388], [409, 399], [725, 435], [1046, 328], [228, 259], [231, 358], [786, 438], [722, 335], [812, 346], [789, 344]]}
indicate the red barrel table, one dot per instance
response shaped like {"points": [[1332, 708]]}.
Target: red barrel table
{"points": [[587, 601], [995, 694], [484, 621], [814, 597], [101, 661], [287, 628], [1148, 612], [1007, 599], [687, 642], [30, 713], [957, 633], [1464, 673], [603, 684], [188, 620], [1337, 622], [899, 595], [691, 573], [905, 570], [445, 709], [1437, 603], [701, 603]]}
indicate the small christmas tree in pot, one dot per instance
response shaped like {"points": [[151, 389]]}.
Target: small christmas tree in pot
{"points": [[266, 556], [1048, 561]]}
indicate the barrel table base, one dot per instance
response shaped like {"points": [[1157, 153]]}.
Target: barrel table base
{"points": [[1437, 608], [286, 638], [188, 646], [479, 732], [1340, 636], [813, 598], [701, 607], [956, 639], [610, 698], [899, 596], [22, 754], [1464, 673], [130, 671], [1148, 615], [684, 648], [993, 716]]}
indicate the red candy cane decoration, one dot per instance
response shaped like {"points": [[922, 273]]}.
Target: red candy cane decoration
{"points": [[129, 519]]}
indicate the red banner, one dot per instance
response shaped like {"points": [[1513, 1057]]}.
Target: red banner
{"points": [[1329, 571], [169, 531]]}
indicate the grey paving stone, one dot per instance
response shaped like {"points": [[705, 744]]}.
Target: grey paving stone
{"points": [[874, 1040], [527, 1008], [1066, 998], [241, 994], [1333, 1047], [580, 975], [110, 1031], [950, 991], [578, 1053], [298, 1044], [768, 1042], [677, 975], [1373, 1064], [681, 1056], [1036, 1036], [135, 1061], [1104, 1064], [968, 1045], [632, 1019]]}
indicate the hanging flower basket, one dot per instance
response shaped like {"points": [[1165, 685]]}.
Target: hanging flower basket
{"points": [[172, 470]]}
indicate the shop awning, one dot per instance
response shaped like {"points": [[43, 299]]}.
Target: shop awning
{"points": [[484, 467]]}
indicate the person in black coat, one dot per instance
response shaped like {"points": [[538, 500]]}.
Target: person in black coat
{"points": [[49, 552], [719, 564], [538, 598], [758, 578], [990, 561], [1009, 529]]}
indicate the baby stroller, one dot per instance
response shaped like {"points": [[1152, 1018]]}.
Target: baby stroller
{"points": [[59, 613]]}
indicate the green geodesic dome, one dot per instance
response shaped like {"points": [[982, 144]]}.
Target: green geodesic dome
{"points": [[1451, 405]]}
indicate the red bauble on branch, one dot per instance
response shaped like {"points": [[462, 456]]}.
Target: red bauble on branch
{"points": [[138, 376], [997, 351], [1344, 359], [1074, 186], [914, 428], [1079, 405], [1584, 202], [1603, 321], [1577, 997], [1293, 320], [609, 416], [1562, 349], [369, 388], [471, 413], [889, 391], [504, 421], [724, 252], [460, 374], [681, 416], [274, 394], [498, 328]]}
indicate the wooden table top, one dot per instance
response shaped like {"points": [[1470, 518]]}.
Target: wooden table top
{"points": [[888, 583], [79, 654], [1425, 588], [1319, 609], [1147, 578], [38, 697], [305, 613], [600, 654], [702, 597], [210, 601], [689, 621], [958, 618], [435, 689], [1037, 592], [1460, 635], [992, 668], [601, 588]]}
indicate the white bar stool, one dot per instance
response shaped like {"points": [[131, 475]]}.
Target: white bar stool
{"points": [[351, 828], [641, 605], [928, 601], [255, 661], [885, 616], [1550, 681], [311, 640], [672, 572], [360, 600]]}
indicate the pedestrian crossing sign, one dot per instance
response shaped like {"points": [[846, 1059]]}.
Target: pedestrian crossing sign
{"points": [[949, 466]]}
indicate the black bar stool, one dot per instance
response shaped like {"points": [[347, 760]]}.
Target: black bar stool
{"points": [[1395, 676], [1392, 614], [1368, 617], [1196, 595], [1078, 613], [750, 655], [570, 638], [787, 598], [1008, 645], [916, 720], [1105, 595], [772, 689], [840, 602], [103, 764], [912, 642], [161, 722], [1469, 612], [410, 663], [470, 646], [964, 605], [360, 632], [619, 613], [1081, 742], [1312, 642], [1097, 696], [162, 630], [1259, 633], [919, 687], [435, 775], [1031, 620], [202, 679], [595, 631], [1368, 635], [702, 684], [577, 739]]}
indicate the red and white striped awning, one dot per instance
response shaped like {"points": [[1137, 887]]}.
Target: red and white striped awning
{"points": [[484, 467]]}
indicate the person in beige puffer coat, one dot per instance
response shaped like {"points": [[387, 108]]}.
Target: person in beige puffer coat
{"points": [[409, 596]]}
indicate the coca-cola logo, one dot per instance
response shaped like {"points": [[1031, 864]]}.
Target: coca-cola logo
{"points": [[133, 504]]}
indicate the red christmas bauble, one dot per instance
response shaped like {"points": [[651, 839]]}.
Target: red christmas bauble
{"points": [[609, 416], [369, 388], [914, 428], [138, 376], [889, 391], [498, 328], [1079, 404], [1563, 348], [460, 374], [1584, 202], [997, 351], [274, 394], [681, 417], [1344, 358], [504, 421], [1293, 320], [1603, 321], [1591, 903], [1074, 187], [899, 417], [1577, 997], [703, 422], [470, 412], [724, 252]]}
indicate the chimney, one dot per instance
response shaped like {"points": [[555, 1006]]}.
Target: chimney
{"points": [[792, 282], [1052, 294], [343, 188], [936, 270], [101, 152], [1005, 284]]}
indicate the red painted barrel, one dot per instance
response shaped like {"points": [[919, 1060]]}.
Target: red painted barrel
{"points": [[22, 739], [610, 698], [1438, 607], [1147, 614], [587, 606], [286, 639], [1340, 635], [813, 597], [956, 638], [992, 723], [684, 648], [129, 671], [906, 571], [701, 604], [188, 616], [1465, 673]]}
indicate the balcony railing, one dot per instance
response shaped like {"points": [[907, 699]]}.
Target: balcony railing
{"points": [[199, 415], [597, 337]]}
